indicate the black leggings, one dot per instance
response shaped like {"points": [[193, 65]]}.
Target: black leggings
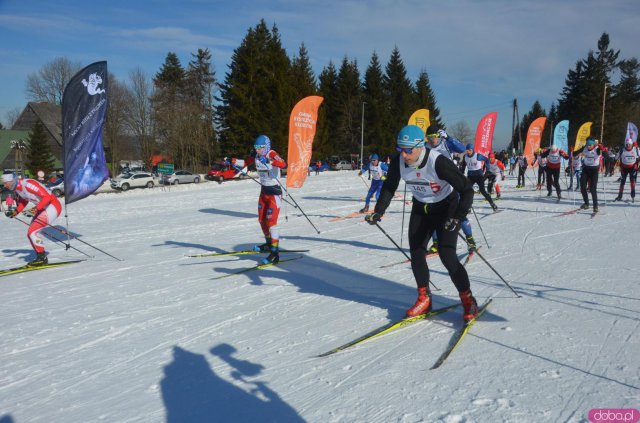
{"points": [[589, 173], [542, 173], [633, 174], [553, 179], [479, 179], [521, 171], [421, 227]]}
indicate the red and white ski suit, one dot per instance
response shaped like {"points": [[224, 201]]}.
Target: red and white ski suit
{"points": [[47, 208]]}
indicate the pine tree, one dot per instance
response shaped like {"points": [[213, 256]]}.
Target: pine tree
{"points": [[401, 97], [168, 101], [427, 99], [624, 106], [200, 81], [256, 97], [39, 155], [583, 94], [327, 115], [376, 117], [302, 77], [349, 109]]}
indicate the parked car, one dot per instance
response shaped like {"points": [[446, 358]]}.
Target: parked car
{"points": [[342, 165], [180, 177], [229, 169], [56, 187], [125, 181]]}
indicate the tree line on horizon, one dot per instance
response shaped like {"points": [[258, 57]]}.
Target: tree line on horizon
{"points": [[186, 114]]}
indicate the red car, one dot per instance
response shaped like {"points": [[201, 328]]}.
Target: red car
{"points": [[222, 171]]}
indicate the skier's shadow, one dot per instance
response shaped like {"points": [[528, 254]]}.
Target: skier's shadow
{"points": [[192, 392]]}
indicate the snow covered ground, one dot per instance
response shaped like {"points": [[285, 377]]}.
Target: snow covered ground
{"points": [[154, 338]]}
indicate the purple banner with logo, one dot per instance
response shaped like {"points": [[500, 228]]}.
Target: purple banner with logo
{"points": [[84, 107]]}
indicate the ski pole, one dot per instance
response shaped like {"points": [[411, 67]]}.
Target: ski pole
{"points": [[62, 231], [296, 205], [402, 251], [494, 270], [404, 204], [480, 226], [364, 182], [67, 246], [258, 182]]}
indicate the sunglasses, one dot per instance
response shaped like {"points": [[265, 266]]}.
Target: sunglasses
{"points": [[407, 150]]}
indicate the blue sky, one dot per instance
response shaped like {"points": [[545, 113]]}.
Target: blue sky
{"points": [[479, 55]]}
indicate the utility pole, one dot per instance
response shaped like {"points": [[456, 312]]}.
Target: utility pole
{"points": [[604, 100], [515, 124], [362, 138]]}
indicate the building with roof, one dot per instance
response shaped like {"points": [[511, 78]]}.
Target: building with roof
{"points": [[51, 117]]}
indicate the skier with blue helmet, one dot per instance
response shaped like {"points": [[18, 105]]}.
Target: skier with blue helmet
{"points": [[377, 174], [268, 164], [442, 197]]}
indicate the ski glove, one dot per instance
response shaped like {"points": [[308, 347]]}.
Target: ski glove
{"points": [[452, 224], [11, 214], [442, 134], [373, 218]]}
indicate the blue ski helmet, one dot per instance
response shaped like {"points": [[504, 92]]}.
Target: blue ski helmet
{"points": [[470, 146], [590, 142], [262, 141], [375, 157], [411, 136]]}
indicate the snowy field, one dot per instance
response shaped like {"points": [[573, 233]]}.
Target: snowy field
{"points": [[154, 338]]}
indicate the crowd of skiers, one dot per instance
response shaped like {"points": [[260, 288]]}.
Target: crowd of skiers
{"points": [[432, 165]]}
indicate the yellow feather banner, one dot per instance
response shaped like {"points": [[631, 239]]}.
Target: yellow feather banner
{"points": [[583, 134], [420, 118]]}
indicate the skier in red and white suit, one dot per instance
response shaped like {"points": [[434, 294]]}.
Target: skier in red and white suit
{"points": [[47, 209], [268, 165]]}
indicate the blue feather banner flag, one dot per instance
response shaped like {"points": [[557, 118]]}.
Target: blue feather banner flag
{"points": [[84, 108]]}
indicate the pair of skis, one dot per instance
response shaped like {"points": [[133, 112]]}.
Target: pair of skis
{"points": [[31, 268], [455, 341], [245, 252]]}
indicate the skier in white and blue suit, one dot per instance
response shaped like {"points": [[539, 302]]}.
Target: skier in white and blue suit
{"points": [[377, 174]]}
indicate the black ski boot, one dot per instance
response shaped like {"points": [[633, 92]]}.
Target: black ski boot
{"points": [[263, 248], [40, 260]]}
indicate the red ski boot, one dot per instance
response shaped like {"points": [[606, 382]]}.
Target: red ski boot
{"points": [[470, 305], [423, 303]]}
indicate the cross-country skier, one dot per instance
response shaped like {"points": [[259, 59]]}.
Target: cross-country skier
{"points": [[475, 163], [494, 169], [522, 164], [268, 164], [590, 169], [629, 157], [439, 140], [542, 164], [442, 197], [47, 209], [554, 162], [377, 172]]}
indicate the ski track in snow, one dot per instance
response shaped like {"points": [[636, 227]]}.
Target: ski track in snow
{"points": [[152, 338]]}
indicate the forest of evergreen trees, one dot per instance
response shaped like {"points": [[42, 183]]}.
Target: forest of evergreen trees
{"points": [[187, 114]]}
